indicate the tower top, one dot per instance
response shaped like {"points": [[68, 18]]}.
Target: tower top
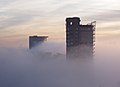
{"points": [[73, 19]]}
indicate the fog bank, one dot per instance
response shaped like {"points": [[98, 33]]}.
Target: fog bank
{"points": [[46, 66]]}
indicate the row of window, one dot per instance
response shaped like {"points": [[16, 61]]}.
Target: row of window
{"points": [[76, 44], [72, 29], [72, 32], [72, 40], [76, 28], [76, 37], [72, 44]]}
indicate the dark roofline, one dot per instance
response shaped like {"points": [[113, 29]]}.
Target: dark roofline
{"points": [[72, 18], [39, 36], [87, 25]]}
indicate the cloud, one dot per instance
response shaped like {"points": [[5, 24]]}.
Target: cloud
{"points": [[21, 67], [15, 20], [108, 15], [4, 3], [107, 20]]}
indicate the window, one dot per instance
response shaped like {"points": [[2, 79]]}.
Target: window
{"points": [[68, 33], [71, 23], [76, 32], [77, 42], [67, 37], [68, 41], [71, 43], [76, 28], [68, 44], [68, 29]]}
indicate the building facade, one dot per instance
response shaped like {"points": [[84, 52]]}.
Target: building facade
{"points": [[36, 40], [79, 38]]}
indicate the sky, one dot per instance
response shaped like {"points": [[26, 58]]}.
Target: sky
{"points": [[22, 18]]}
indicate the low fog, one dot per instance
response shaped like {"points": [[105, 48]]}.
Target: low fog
{"points": [[46, 66]]}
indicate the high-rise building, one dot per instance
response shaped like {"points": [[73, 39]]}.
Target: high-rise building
{"points": [[79, 38], [36, 40]]}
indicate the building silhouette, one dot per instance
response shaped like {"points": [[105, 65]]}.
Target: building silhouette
{"points": [[36, 40], [79, 38]]}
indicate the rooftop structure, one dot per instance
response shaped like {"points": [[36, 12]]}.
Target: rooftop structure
{"points": [[36, 40]]}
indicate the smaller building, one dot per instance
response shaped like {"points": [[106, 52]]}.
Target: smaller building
{"points": [[36, 40]]}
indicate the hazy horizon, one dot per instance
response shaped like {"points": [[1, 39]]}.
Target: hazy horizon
{"points": [[21, 67]]}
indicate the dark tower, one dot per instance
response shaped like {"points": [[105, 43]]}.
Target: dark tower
{"points": [[79, 38], [72, 30], [36, 40]]}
